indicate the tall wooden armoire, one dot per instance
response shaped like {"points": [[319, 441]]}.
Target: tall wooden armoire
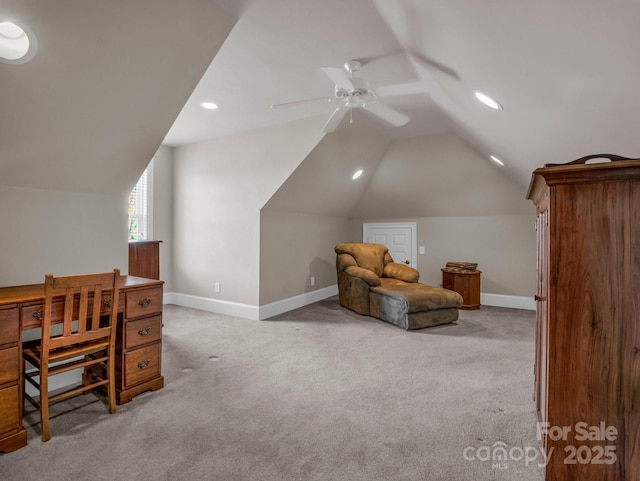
{"points": [[587, 383]]}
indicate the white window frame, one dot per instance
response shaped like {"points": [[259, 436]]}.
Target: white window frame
{"points": [[144, 202]]}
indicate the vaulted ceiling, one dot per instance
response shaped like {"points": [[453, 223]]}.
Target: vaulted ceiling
{"points": [[566, 73], [113, 79]]}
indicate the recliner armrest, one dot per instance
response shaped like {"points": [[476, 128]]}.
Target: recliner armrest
{"points": [[401, 272], [364, 274]]}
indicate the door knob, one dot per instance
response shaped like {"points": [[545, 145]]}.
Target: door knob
{"points": [[407, 262]]}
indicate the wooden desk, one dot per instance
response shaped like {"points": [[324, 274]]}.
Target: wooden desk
{"points": [[138, 346]]}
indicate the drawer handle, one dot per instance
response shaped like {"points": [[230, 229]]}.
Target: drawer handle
{"points": [[144, 331], [144, 364], [107, 303], [144, 302], [37, 315]]}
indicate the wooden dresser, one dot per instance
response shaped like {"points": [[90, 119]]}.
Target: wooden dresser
{"points": [[12, 434], [587, 371], [138, 346]]}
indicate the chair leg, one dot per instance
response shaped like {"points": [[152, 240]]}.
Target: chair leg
{"points": [[111, 386], [44, 403], [86, 377]]}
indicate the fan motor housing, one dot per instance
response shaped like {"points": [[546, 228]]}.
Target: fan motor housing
{"points": [[347, 93], [360, 90]]}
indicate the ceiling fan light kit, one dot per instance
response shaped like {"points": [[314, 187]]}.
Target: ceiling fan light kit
{"points": [[354, 93]]}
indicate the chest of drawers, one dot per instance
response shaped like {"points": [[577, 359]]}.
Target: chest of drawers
{"points": [[139, 344], [12, 434]]}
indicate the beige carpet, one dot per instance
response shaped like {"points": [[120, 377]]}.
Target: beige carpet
{"points": [[319, 393]]}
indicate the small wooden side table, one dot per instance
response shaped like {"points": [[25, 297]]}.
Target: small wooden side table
{"points": [[464, 282]]}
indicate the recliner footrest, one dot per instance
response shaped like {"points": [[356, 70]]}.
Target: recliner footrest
{"points": [[414, 305]]}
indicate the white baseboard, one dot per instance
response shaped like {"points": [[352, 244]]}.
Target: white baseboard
{"points": [[515, 302], [286, 305], [248, 311], [259, 313]]}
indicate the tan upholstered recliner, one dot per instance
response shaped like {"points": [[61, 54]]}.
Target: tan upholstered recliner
{"points": [[370, 283]]}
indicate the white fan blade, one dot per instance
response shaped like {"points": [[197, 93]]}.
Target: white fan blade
{"points": [[300, 102], [335, 119], [420, 87], [387, 113], [339, 77]]}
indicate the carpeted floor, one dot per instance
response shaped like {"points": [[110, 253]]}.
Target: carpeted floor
{"points": [[319, 393]]}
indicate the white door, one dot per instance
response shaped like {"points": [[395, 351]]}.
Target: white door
{"points": [[399, 237]]}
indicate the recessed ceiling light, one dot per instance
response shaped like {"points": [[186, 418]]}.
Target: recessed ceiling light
{"points": [[357, 174], [497, 160], [209, 105], [488, 101], [17, 43]]}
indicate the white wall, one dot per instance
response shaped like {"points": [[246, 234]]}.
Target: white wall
{"points": [[245, 204], [219, 188], [163, 211], [61, 233], [504, 246], [466, 208], [309, 214], [295, 247]]}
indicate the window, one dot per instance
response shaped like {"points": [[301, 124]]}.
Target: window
{"points": [[140, 207]]}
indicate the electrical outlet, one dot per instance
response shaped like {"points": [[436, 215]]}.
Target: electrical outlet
{"points": [[313, 281], [217, 287], [421, 249]]}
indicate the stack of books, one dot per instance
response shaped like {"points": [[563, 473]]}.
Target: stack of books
{"points": [[462, 266]]}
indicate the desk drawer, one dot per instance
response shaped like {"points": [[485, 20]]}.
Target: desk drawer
{"points": [[142, 364], [32, 314], [144, 302], [9, 365], [142, 331], [9, 326], [106, 304], [10, 410]]}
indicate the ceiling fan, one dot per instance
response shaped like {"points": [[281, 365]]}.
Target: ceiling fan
{"points": [[354, 93]]}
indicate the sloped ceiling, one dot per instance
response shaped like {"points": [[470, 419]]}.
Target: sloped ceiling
{"points": [[428, 176], [322, 184], [107, 82], [110, 77], [565, 72], [275, 53], [438, 176]]}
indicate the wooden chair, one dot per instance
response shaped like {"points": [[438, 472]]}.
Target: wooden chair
{"points": [[86, 340]]}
